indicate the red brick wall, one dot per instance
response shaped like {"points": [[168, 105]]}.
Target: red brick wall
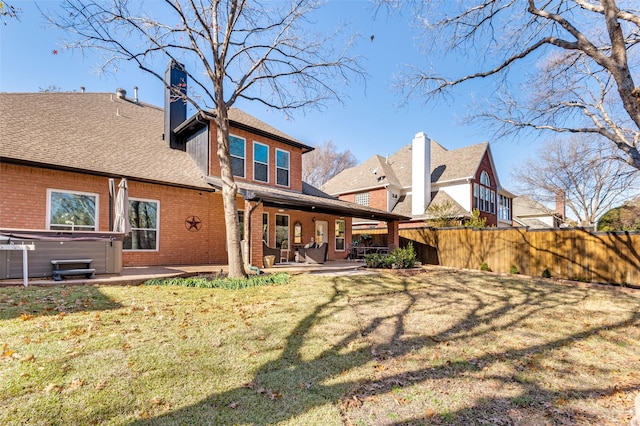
{"points": [[377, 198], [295, 158], [23, 199], [306, 220], [23, 204]]}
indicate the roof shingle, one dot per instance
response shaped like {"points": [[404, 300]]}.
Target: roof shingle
{"points": [[94, 132]]}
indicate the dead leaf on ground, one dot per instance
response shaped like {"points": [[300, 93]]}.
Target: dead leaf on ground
{"points": [[156, 400], [28, 358], [52, 387], [275, 395], [233, 405], [76, 384]]}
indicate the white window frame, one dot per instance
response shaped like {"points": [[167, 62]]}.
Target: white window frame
{"points": [[265, 234], [66, 191], [157, 229], [275, 239], [288, 169], [260, 162], [244, 159], [344, 238]]}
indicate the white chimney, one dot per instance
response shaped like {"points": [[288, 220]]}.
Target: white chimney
{"points": [[420, 174]]}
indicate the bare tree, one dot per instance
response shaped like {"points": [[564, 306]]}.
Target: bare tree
{"points": [[324, 162], [231, 50], [8, 10], [576, 58], [591, 180]]}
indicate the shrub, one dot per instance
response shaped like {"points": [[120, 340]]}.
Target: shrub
{"points": [[221, 282], [513, 270], [546, 273], [400, 258], [485, 267]]}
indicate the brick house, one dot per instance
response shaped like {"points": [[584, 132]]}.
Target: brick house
{"points": [[422, 174], [60, 150]]}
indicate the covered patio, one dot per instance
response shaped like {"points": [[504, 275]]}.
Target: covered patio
{"points": [[312, 215]]}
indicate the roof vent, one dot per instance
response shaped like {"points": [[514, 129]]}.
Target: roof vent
{"points": [[121, 93], [81, 89], [135, 94]]}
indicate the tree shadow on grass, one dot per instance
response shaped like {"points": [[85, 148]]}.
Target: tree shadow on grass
{"points": [[393, 346], [31, 302]]}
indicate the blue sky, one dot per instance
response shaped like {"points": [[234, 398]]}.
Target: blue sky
{"points": [[372, 119]]}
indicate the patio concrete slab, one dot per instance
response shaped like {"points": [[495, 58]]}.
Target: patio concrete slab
{"points": [[136, 275]]}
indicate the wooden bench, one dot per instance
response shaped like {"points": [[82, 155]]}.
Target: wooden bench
{"points": [[86, 270]]}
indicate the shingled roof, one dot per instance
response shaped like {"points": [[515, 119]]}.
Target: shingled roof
{"points": [[97, 133], [103, 134], [310, 199], [446, 165]]}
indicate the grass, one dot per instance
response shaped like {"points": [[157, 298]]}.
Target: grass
{"points": [[442, 347]]}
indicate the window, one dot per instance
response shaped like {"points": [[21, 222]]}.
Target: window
{"points": [[297, 233], [362, 198], [484, 198], [260, 162], [504, 207], [72, 211], [236, 150], [241, 223], [282, 231], [282, 167], [340, 235], [265, 227], [143, 218], [484, 179]]}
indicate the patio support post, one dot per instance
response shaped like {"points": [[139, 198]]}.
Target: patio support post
{"points": [[254, 232], [393, 235]]}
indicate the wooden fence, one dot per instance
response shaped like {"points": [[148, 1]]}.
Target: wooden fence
{"points": [[572, 253]]}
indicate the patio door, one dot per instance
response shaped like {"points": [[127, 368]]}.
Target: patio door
{"points": [[322, 232]]}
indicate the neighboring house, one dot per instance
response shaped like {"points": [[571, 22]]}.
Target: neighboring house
{"points": [[59, 151], [530, 213], [423, 174]]}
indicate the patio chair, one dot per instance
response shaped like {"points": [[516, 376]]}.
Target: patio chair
{"points": [[316, 255], [270, 251]]}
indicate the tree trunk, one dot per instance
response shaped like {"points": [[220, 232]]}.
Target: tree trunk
{"points": [[229, 193]]}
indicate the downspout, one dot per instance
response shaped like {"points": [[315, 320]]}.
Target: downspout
{"points": [[249, 265]]}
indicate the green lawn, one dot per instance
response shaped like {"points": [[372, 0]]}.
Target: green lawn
{"points": [[441, 347]]}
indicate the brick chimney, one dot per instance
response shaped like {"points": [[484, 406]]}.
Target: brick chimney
{"points": [[560, 205], [420, 174], [175, 106]]}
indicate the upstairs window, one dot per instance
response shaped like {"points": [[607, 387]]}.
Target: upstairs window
{"points": [[484, 198], [72, 211], [484, 179], [236, 150], [260, 162], [362, 198], [282, 167], [504, 207]]}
